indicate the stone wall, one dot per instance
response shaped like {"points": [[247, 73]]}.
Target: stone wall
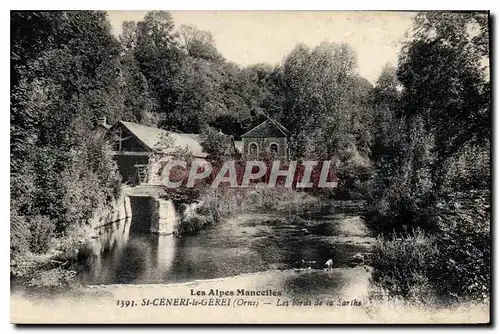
{"points": [[263, 145], [163, 217], [109, 225], [145, 214], [119, 210]]}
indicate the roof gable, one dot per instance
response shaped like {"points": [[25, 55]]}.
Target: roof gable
{"points": [[153, 138], [268, 128]]}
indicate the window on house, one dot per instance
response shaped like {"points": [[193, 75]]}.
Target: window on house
{"points": [[273, 148], [252, 149], [141, 174]]}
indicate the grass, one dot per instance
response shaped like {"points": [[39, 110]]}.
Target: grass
{"points": [[196, 217], [50, 268], [232, 200]]}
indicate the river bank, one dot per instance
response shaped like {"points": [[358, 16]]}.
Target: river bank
{"points": [[339, 290], [240, 244], [245, 243]]}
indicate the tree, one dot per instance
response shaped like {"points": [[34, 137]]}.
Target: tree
{"points": [[159, 56], [444, 82], [218, 145], [386, 114], [198, 97], [58, 94], [140, 104], [199, 43], [321, 96], [440, 127]]}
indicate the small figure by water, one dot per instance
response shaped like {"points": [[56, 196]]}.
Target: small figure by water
{"points": [[329, 264]]}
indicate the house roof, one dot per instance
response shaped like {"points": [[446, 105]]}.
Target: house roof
{"points": [[152, 138], [268, 128]]}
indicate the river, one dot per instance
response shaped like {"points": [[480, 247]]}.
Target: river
{"points": [[240, 244]]}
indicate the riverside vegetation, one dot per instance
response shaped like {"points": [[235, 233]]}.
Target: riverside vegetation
{"points": [[415, 146]]}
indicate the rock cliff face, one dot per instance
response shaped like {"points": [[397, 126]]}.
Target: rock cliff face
{"points": [[110, 224], [142, 214], [121, 209]]}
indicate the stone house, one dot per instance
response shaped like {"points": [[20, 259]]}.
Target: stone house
{"points": [[269, 137]]}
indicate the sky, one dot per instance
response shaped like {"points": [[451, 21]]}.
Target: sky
{"points": [[250, 37]]}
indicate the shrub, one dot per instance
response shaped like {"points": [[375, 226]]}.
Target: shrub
{"points": [[52, 278], [465, 247], [196, 217], [453, 264], [20, 235], [41, 233], [31, 234], [231, 200], [403, 264], [403, 187]]}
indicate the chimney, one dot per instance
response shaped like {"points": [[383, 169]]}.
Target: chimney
{"points": [[102, 121]]}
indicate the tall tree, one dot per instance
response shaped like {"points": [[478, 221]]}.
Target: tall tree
{"points": [[320, 105], [386, 97], [159, 56], [59, 93], [199, 43], [444, 80], [140, 104]]}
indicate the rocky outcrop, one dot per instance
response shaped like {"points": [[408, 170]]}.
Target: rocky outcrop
{"points": [[118, 210]]}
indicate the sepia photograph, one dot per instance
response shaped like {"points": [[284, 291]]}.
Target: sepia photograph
{"points": [[250, 167]]}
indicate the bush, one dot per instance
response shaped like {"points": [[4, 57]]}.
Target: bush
{"points": [[452, 264], [196, 217], [231, 200], [31, 234], [39, 256], [403, 194], [465, 247], [41, 233], [20, 235], [52, 278], [405, 264]]}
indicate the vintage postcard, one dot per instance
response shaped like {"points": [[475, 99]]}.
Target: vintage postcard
{"points": [[250, 167]]}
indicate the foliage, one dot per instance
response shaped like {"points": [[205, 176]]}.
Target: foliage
{"points": [[441, 69], [402, 192], [199, 43], [60, 169], [416, 144], [451, 265], [318, 87], [434, 172], [254, 198], [52, 278], [217, 144], [405, 264], [465, 246], [194, 220]]}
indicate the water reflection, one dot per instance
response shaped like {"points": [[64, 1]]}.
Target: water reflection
{"points": [[240, 244], [317, 281], [164, 253], [133, 262]]}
